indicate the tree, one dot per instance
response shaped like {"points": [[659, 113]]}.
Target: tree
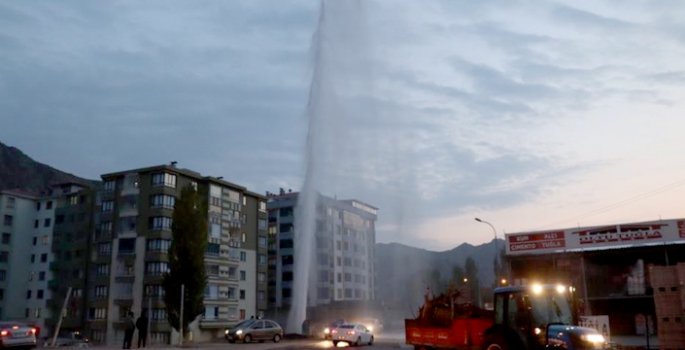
{"points": [[186, 259], [472, 276], [457, 275]]}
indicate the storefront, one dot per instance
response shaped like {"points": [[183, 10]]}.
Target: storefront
{"points": [[608, 265]]}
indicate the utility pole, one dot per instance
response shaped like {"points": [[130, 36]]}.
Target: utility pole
{"points": [[497, 270], [61, 316], [183, 290]]}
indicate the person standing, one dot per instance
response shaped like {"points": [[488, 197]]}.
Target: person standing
{"points": [[130, 329], [141, 324]]}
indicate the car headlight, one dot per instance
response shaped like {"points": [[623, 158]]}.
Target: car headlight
{"points": [[327, 330], [370, 328], [239, 332], [593, 338], [226, 332]]}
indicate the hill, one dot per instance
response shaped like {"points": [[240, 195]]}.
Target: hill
{"points": [[403, 272], [19, 171]]}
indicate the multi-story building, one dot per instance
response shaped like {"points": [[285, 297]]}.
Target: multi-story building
{"points": [[72, 234], [343, 266], [36, 273], [18, 214], [134, 235]]}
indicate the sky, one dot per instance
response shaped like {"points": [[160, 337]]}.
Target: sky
{"points": [[531, 115]]}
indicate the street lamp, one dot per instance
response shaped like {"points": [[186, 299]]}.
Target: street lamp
{"points": [[496, 250]]}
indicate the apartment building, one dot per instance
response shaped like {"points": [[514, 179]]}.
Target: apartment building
{"points": [[134, 235], [343, 266], [73, 230]]}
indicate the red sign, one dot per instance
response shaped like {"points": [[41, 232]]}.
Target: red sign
{"points": [[681, 229], [535, 241]]}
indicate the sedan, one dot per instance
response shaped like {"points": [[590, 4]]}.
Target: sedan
{"points": [[251, 330], [353, 334], [17, 335]]}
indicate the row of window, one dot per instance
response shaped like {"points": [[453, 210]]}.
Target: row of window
{"points": [[39, 294]]}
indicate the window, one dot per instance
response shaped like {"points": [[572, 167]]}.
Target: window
{"points": [[2, 294], [262, 224], [105, 249], [157, 268], [31, 275], [158, 314], [43, 258], [41, 276], [262, 206], [158, 245], [261, 277], [6, 237], [348, 293], [28, 294], [48, 205], [45, 240], [33, 258], [244, 237], [348, 261], [211, 291], [212, 249], [100, 292], [107, 206], [262, 242], [39, 294], [286, 243], [127, 246], [242, 275], [339, 277], [109, 185], [231, 293], [243, 256], [3, 275], [287, 260], [242, 294], [11, 201], [102, 270], [212, 270], [37, 312], [215, 231], [27, 311], [287, 292], [163, 201], [348, 277], [164, 179], [38, 206], [159, 223], [154, 290], [106, 227], [97, 314], [8, 220], [5, 256], [261, 295], [35, 240], [287, 276], [262, 260], [36, 224], [339, 261]]}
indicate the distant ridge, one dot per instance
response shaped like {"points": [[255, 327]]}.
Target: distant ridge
{"points": [[19, 171]]}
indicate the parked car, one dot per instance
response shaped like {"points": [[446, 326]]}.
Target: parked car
{"points": [[353, 334], [17, 335], [333, 325], [251, 330]]}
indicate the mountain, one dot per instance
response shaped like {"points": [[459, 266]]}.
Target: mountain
{"points": [[18, 170], [403, 272]]}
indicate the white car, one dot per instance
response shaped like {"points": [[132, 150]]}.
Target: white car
{"points": [[353, 334], [17, 335]]}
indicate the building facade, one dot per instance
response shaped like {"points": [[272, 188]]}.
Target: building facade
{"points": [[343, 265], [608, 265], [134, 235]]}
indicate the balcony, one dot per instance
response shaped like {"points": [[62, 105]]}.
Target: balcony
{"points": [[128, 210], [123, 300], [233, 254]]}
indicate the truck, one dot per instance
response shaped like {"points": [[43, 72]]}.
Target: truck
{"points": [[524, 318]]}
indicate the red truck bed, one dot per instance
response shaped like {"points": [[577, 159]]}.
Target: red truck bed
{"points": [[463, 334]]}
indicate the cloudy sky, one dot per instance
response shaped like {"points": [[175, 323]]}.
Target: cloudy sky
{"points": [[528, 114]]}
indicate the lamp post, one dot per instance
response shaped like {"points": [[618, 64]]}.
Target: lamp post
{"points": [[496, 250]]}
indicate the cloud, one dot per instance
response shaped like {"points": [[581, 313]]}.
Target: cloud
{"points": [[438, 108]]}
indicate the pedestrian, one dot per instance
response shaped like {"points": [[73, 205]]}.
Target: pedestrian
{"points": [[130, 329], [141, 324]]}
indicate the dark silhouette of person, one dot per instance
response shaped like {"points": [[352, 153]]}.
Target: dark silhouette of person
{"points": [[130, 329], [141, 324]]}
